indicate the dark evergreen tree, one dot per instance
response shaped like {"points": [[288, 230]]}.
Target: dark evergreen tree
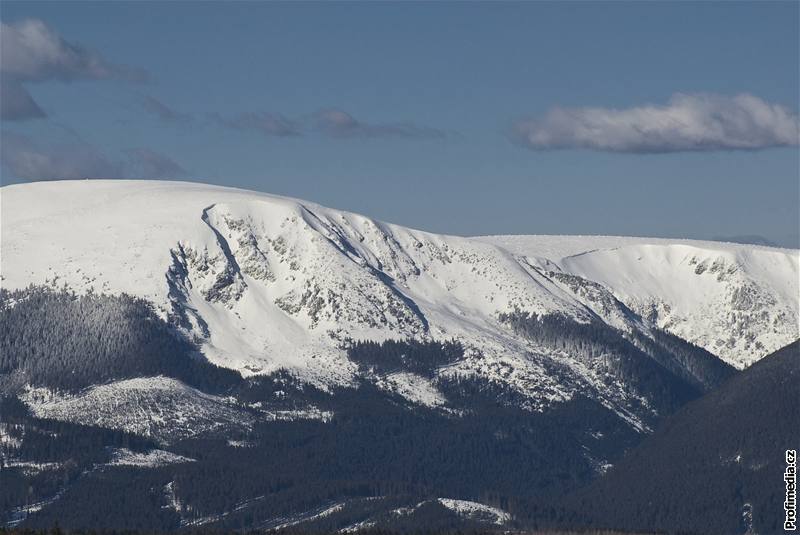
{"points": [[66, 341]]}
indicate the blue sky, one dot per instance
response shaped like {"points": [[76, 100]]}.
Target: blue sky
{"points": [[442, 116]]}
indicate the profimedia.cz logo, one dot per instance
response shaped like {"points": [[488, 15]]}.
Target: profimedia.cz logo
{"points": [[790, 477]]}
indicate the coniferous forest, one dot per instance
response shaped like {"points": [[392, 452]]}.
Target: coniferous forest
{"points": [[372, 455]]}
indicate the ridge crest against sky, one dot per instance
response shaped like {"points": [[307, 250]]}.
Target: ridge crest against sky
{"points": [[661, 119]]}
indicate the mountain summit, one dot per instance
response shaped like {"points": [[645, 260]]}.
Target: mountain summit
{"points": [[207, 328], [269, 282], [265, 284]]}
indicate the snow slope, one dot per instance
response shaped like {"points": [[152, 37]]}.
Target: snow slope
{"points": [[150, 459], [476, 511], [738, 301], [158, 407], [268, 283]]}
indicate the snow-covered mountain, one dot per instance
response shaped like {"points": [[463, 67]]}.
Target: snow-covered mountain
{"points": [[562, 349], [268, 283], [739, 302]]}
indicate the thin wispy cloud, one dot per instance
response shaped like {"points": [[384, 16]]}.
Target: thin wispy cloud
{"points": [[16, 103], [147, 163], [32, 52], [27, 159], [338, 123], [265, 123], [163, 112], [332, 122], [688, 122]]}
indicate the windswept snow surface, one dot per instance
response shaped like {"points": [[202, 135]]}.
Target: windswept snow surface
{"points": [[739, 302], [465, 509], [308, 516], [414, 388], [476, 511], [268, 283], [158, 407], [150, 459]]}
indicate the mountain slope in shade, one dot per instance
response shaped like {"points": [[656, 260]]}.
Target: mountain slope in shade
{"points": [[714, 467]]}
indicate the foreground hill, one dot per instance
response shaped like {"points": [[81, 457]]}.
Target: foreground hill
{"points": [[714, 467]]}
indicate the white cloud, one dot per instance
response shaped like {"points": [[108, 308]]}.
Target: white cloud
{"points": [[31, 52], [338, 123], [268, 124], [330, 122], [688, 122], [147, 163], [16, 104], [25, 159], [164, 112]]}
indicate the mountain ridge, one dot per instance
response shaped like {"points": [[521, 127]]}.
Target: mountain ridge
{"points": [[262, 283], [248, 334], [241, 238]]}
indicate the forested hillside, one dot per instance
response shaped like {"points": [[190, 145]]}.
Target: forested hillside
{"points": [[276, 452], [669, 371], [57, 339], [716, 466]]}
